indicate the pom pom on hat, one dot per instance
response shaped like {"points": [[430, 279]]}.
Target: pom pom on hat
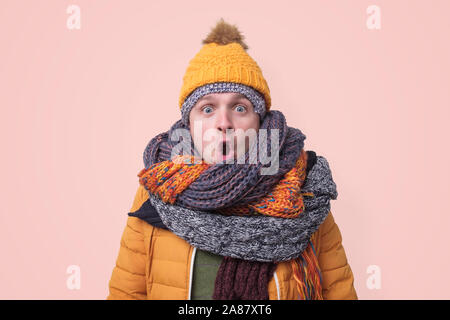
{"points": [[224, 33]]}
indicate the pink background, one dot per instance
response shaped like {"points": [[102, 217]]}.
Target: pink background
{"points": [[79, 106]]}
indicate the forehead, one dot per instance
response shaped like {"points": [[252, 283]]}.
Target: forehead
{"points": [[214, 96]]}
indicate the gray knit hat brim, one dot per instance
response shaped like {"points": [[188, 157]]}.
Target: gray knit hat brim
{"points": [[255, 97]]}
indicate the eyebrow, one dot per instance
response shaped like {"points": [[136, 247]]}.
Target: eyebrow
{"points": [[236, 97]]}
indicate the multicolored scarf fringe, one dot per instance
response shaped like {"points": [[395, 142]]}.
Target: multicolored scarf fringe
{"points": [[307, 274]]}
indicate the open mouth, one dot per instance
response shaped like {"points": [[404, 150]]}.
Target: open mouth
{"points": [[226, 149]]}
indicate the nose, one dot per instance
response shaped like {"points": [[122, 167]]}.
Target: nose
{"points": [[223, 121]]}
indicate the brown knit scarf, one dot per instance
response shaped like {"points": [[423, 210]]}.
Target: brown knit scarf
{"points": [[243, 280]]}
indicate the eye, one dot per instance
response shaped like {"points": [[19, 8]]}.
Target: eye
{"points": [[241, 108], [207, 109]]}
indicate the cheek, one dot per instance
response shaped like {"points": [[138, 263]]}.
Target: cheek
{"points": [[201, 136], [251, 121], [196, 137], [253, 125]]}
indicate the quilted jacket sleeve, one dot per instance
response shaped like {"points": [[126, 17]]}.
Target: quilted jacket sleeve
{"points": [[128, 276], [337, 276]]}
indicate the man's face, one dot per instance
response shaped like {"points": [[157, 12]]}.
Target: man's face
{"points": [[220, 116]]}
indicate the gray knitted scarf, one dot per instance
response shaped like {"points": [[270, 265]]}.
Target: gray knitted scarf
{"points": [[255, 238]]}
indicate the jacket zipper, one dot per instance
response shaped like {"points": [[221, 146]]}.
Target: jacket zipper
{"points": [[277, 284], [191, 272]]}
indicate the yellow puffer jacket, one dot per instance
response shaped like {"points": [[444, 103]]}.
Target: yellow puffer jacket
{"points": [[154, 263]]}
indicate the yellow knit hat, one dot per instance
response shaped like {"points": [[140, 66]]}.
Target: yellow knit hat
{"points": [[223, 58]]}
